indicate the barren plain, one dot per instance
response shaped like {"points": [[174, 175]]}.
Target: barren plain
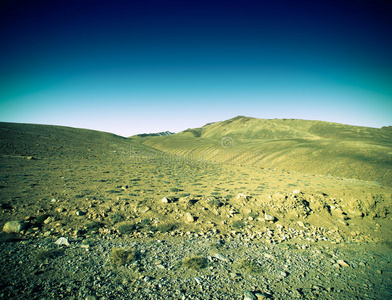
{"points": [[240, 209]]}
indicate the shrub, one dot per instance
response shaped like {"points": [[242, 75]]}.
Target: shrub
{"points": [[195, 263], [238, 224], [126, 227], [166, 227], [249, 265], [184, 195], [93, 226], [145, 222], [40, 219], [120, 256], [43, 254], [214, 203], [116, 218]]}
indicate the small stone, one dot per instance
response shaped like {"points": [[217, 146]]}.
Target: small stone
{"points": [[48, 220], [343, 263], [80, 213], [14, 227], [62, 241], [240, 195], [198, 280], [190, 218], [342, 222], [269, 218], [296, 192], [261, 296], [283, 274], [220, 257], [249, 296], [142, 209]]}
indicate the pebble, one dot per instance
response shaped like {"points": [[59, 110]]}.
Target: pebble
{"points": [[62, 241], [249, 296], [269, 218], [190, 218], [261, 296], [343, 263]]}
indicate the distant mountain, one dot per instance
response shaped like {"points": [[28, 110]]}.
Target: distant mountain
{"points": [[163, 133], [299, 145]]}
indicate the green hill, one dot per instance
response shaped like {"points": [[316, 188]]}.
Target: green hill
{"points": [[299, 145]]}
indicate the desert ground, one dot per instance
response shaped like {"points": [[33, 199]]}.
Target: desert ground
{"points": [[240, 209]]}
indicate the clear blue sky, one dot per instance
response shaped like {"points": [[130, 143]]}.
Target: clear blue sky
{"points": [[130, 67]]}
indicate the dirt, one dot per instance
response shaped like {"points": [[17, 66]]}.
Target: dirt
{"points": [[96, 189]]}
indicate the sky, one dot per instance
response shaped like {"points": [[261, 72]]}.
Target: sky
{"points": [[130, 67]]}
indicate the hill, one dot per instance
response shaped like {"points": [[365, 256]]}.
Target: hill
{"points": [[137, 222], [298, 145]]}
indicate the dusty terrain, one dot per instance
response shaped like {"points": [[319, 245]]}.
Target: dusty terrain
{"points": [[257, 231]]}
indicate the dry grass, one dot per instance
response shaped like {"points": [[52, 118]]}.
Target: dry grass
{"points": [[195, 263], [120, 256]]}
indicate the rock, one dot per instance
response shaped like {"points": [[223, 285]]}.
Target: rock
{"points": [[269, 218], [48, 220], [220, 257], [296, 192], [240, 195], [343, 263], [283, 274], [80, 213], [190, 218], [14, 227], [62, 241], [141, 209], [342, 222], [165, 200], [249, 296], [61, 209], [261, 296]]}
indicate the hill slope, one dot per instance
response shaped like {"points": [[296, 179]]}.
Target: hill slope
{"points": [[299, 145]]}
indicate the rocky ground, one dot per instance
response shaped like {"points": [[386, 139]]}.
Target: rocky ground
{"points": [[192, 229], [237, 267]]}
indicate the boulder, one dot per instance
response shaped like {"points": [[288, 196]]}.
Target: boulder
{"points": [[14, 227]]}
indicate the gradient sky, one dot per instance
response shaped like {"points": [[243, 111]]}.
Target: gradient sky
{"points": [[130, 67]]}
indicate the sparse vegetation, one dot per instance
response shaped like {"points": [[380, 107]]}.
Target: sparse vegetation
{"points": [[126, 227], [45, 254], [248, 265], [116, 218], [214, 203], [238, 224], [195, 263], [166, 227], [40, 219], [120, 256]]}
